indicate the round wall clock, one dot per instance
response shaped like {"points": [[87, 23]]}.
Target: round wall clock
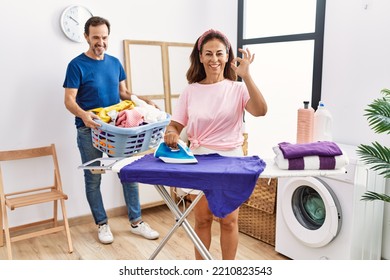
{"points": [[72, 22]]}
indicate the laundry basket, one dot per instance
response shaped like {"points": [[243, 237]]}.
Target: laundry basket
{"points": [[124, 142]]}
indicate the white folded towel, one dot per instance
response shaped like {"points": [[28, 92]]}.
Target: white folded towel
{"points": [[308, 162]]}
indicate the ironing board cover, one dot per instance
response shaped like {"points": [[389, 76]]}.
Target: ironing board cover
{"points": [[227, 182]]}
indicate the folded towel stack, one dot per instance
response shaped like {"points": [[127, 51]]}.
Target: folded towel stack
{"points": [[322, 155]]}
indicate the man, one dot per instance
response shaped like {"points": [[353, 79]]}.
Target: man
{"points": [[95, 79]]}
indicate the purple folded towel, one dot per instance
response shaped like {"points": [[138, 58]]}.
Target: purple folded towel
{"points": [[320, 148]]}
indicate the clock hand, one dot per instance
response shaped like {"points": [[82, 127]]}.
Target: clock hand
{"points": [[74, 20]]}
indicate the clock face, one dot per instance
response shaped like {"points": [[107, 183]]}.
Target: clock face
{"points": [[73, 20]]}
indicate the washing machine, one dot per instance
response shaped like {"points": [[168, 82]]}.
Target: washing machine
{"points": [[325, 218]]}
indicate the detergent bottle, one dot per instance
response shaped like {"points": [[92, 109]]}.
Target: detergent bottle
{"points": [[305, 123], [322, 124]]}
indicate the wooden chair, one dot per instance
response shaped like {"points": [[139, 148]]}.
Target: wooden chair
{"points": [[32, 196]]}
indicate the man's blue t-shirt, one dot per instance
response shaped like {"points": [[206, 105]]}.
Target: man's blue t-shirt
{"points": [[97, 81]]}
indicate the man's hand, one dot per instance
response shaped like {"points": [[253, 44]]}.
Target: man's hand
{"points": [[88, 119]]}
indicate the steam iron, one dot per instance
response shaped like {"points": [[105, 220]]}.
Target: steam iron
{"points": [[181, 155]]}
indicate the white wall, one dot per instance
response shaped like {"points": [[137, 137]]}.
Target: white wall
{"points": [[356, 59]]}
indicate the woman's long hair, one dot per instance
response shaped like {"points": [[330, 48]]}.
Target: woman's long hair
{"points": [[196, 72]]}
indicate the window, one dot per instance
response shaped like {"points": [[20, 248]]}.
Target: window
{"points": [[286, 37]]}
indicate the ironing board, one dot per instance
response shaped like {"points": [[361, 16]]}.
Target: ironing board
{"points": [[225, 193]]}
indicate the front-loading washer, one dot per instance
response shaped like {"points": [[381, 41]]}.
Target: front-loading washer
{"points": [[325, 218]]}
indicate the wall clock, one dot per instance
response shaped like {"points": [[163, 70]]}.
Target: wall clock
{"points": [[72, 22]]}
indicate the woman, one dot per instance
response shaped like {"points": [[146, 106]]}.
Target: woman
{"points": [[211, 108]]}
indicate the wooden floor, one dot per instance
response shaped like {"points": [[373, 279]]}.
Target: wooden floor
{"points": [[128, 246]]}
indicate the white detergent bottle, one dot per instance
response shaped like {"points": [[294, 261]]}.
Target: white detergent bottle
{"points": [[322, 130]]}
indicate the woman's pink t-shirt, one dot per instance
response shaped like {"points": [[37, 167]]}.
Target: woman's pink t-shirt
{"points": [[213, 114]]}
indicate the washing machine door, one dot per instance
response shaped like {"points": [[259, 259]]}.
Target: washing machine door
{"points": [[311, 210]]}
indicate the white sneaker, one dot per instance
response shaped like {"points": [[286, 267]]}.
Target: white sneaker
{"points": [[144, 230], [105, 235]]}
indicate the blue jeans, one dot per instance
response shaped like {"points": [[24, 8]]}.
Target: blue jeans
{"points": [[92, 183]]}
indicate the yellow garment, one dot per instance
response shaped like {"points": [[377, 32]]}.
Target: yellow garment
{"points": [[102, 112]]}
